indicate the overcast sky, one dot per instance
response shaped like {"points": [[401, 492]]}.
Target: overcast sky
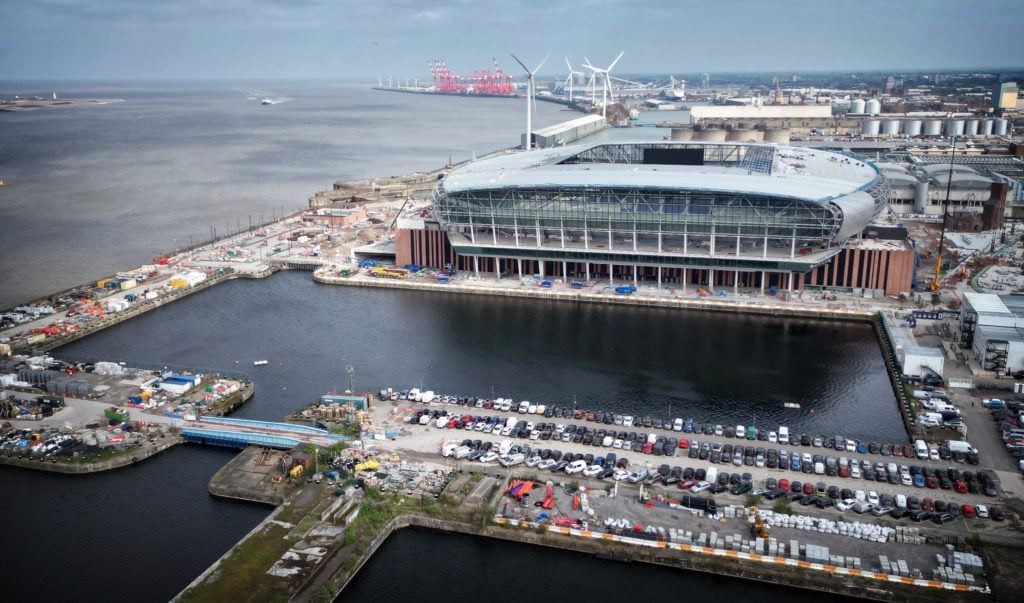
{"points": [[139, 39]]}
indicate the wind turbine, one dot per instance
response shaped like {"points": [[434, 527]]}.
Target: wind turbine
{"points": [[606, 88], [569, 80], [530, 101]]}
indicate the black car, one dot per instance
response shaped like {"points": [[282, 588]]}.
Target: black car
{"points": [[717, 488], [920, 515], [941, 518], [899, 513], [823, 502]]}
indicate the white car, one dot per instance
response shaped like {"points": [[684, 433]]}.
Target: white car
{"points": [[845, 505], [533, 461], [627, 421], [575, 467], [617, 443], [534, 435], [933, 454], [593, 470], [700, 487], [855, 471], [639, 476], [873, 498], [547, 464], [982, 511], [620, 474], [489, 457]]}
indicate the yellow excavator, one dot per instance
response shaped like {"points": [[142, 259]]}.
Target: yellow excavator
{"points": [[758, 527]]}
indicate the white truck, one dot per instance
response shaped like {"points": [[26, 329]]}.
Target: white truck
{"points": [[960, 446]]}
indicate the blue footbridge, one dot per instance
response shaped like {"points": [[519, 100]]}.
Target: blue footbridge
{"points": [[240, 433]]}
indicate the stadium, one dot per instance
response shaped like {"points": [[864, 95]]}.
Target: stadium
{"points": [[675, 213]]}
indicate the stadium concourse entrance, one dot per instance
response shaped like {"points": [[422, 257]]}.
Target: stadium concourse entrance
{"points": [[586, 273]]}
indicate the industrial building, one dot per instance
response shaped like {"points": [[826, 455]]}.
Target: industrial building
{"points": [[714, 215], [973, 199], [991, 328]]}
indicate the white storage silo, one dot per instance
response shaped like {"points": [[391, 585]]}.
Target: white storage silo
{"points": [[954, 127], [870, 127], [933, 127], [891, 127], [912, 127], [857, 106], [873, 107], [986, 127], [971, 127], [999, 127], [921, 196]]}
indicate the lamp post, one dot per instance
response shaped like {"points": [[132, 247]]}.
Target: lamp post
{"points": [[945, 208]]}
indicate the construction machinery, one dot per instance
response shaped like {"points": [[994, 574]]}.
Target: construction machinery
{"points": [[758, 528]]}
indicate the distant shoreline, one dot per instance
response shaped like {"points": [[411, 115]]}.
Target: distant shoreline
{"points": [[26, 104]]}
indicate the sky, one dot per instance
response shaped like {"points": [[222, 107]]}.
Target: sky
{"points": [[225, 39]]}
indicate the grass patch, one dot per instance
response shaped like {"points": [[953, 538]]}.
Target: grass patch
{"points": [[245, 570]]}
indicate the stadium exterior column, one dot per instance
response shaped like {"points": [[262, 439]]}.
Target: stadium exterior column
{"points": [[684, 279], [764, 274], [790, 282], [565, 270], [519, 262], [476, 266], [711, 275], [738, 245], [635, 280], [736, 282]]}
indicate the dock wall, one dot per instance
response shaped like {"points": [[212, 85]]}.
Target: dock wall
{"points": [[735, 307], [76, 468]]}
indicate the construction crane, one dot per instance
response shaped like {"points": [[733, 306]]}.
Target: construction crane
{"points": [[758, 527], [778, 91], [945, 210]]}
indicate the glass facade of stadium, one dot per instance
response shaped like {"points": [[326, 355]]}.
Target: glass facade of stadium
{"points": [[643, 234]]}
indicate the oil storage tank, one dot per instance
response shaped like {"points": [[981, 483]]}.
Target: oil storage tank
{"points": [[712, 135], [954, 127], [891, 127], [985, 128], [912, 127], [857, 106], [873, 107], [999, 127], [921, 196], [971, 127], [870, 127], [933, 127]]}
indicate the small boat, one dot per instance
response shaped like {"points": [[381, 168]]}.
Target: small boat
{"points": [[791, 405], [260, 362], [267, 101]]}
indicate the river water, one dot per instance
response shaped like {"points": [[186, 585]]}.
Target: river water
{"points": [[92, 190]]}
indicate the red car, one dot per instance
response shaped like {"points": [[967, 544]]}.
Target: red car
{"points": [[908, 451], [784, 484], [960, 487], [684, 443], [928, 504], [931, 482], [686, 484], [844, 471], [968, 511], [897, 450], [808, 488], [648, 448]]}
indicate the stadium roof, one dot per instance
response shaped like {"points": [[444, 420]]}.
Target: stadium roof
{"points": [[796, 173]]}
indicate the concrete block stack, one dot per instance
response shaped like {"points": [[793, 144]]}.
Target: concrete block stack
{"points": [[816, 554]]}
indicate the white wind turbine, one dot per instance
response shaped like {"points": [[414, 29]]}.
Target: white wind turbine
{"points": [[570, 78], [531, 103], [606, 88]]}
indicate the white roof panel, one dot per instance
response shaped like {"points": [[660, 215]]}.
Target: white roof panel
{"points": [[798, 173]]}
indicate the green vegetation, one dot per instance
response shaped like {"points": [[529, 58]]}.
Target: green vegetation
{"points": [[752, 500], [783, 506], [245, 570]]}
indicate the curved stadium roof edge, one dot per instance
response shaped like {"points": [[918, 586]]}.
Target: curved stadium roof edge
{"points": [[796, 172]]}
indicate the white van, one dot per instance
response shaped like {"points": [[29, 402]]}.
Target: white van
{"points": [[783, 434], [514, 459], [930, 419], [960, 446], [712, 475], [575, 467], [921, 449], [523, 407]]}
